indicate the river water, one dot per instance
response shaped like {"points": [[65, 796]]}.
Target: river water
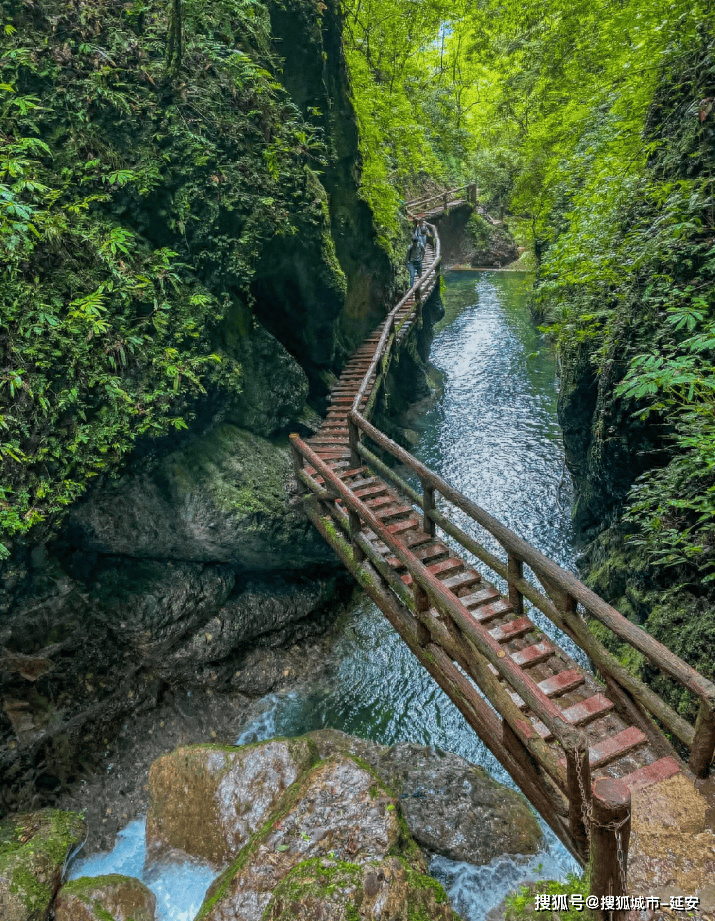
{"points": [[491, 432]]}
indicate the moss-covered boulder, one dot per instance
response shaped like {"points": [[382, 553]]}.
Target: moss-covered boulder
{"points": [[451, 807], [208, 800], [105, 898], [33, 850], [335, 891], [340, 811], [225, 497]]}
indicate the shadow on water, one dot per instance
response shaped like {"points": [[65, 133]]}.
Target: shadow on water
{"points": [[493, 433]]}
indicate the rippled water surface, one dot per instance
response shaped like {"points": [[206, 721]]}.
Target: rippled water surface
{"points": [[492, 432]]}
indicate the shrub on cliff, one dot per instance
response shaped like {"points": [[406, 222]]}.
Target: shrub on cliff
{"points": [[135, 199]]}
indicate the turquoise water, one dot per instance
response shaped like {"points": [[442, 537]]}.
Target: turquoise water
{"points": [[492, 432]]}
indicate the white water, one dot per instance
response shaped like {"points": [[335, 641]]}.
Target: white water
{"points": [[179, 887]]}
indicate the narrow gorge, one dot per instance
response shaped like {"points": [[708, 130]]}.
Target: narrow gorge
{"points": [[205, 214]]}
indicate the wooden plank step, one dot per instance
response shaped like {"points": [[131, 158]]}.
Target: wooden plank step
{"points": [[614, 747], [611, 749], [415, 538], [462, 580], [552, 687], [586, 711], [511, 629], [532, 655], [652, 773], [446, 567], [379, 502], [407, 525], [489, 611], [384, 514], [335, 440], [425, 554], [371, 487], [561, 683], [484, 595], [580, 714]]}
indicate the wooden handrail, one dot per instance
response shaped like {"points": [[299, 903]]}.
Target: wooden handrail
{"points": [[425, 198], [381, 347], [543, 707], [571, 624], [552, 573]]}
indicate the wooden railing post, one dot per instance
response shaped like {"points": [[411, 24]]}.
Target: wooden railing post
{"points": [[610, 835], [515, 570], [701, 753], [354, 441], [418, 305], [445, 199], [428, 505], [355, 529], [578, 793]]}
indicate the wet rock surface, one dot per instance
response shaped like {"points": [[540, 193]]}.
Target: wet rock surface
{"points": [[85, 651], [105, 898], [340, 811], [224, 497], [114, 780], [451, 807], [335, 891], [34, 848], [207, 801]]}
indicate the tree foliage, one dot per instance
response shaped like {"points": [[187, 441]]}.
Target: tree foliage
{"points": [[134, 203]]}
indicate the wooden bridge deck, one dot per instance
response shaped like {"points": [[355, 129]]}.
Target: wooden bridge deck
{"points": [[387, 536]]}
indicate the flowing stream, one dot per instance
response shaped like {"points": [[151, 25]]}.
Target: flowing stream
{"points": [[492, 432]]}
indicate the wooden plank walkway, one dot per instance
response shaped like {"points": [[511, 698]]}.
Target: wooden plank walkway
{"points": [[450, 614]]}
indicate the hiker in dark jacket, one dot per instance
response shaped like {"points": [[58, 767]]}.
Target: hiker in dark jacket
{"points": [[414, 258], [422, 232]]}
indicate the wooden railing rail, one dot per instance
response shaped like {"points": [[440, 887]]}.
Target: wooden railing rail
{"points": [[441, 196], [563, 594], [483, 648], [399, 606]]}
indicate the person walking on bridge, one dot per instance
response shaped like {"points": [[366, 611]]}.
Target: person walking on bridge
{"points": [[414, 258], [422, 231]]}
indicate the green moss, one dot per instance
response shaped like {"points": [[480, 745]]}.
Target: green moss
{"points": [[154, 199], [321, 879], [519, 905], [35, 845], [288, 801]]}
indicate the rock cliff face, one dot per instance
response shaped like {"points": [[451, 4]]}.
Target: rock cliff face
{"points": [[198, 548]]}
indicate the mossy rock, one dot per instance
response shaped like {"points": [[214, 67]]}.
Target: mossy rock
{"points": [[226, 497], [451, 807], [208, 800], [340, 811], [33, 850], [334, 891], [105, 898]]}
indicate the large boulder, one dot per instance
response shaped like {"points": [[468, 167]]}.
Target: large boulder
{"points": [[271, 609], [152, 604], [451, 807], [206, 801], [105, 898], [333, 891], [225, 497], [340, 812], [33, 852]]}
